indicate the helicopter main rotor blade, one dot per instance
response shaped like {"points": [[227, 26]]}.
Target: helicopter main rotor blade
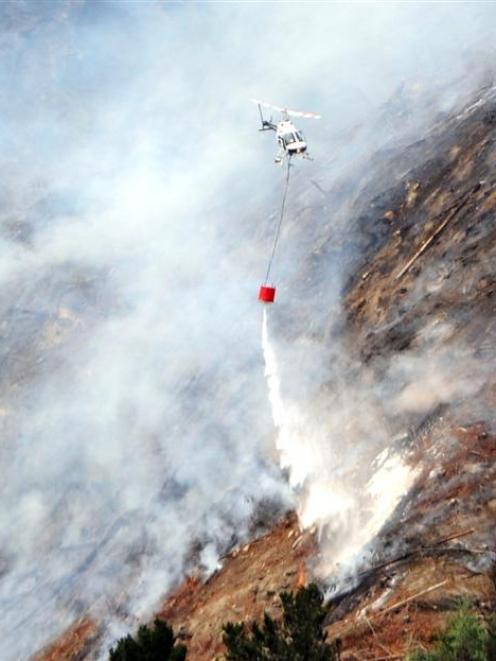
{"points": [[288, 111], [300, 113], [264, 104]]}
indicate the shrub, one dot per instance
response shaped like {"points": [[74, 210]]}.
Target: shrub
{"points": [[151, 644], [299, 636], [465, 638]]}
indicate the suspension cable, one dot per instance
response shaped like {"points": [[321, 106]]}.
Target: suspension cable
{"points": [[281, 217]]}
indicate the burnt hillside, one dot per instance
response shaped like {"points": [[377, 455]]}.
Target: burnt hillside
{"points": [[418, 300]]}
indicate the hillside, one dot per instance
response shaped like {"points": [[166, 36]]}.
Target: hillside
{"points": [[418, 299]]}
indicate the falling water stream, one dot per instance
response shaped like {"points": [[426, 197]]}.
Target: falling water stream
{"points": [[344, 512]]}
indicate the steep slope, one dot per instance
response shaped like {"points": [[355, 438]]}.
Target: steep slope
{"points": [[437, 315], [427, 292]]}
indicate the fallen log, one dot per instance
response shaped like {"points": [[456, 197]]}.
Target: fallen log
{"points": [[425, 245], [452, 211], [455, 535], [415, 552], [403, 602]]}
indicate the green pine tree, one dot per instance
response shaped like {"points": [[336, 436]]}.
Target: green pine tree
{"points": [[299, 636], [151, 644]]}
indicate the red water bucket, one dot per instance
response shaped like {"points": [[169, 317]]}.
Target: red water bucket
{"points": [[267, 294]]}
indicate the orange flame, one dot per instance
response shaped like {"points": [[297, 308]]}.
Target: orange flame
{"points": [[302, 577], [191, 583]]}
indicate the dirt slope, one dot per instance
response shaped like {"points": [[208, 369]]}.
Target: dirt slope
{"points": [[249, 582]]}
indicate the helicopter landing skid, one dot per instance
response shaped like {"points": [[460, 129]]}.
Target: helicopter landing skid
{"points": [[278, 158]]}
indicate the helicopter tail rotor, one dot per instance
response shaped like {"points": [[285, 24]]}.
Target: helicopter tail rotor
{"points": [[261, 115], [267, 124]]}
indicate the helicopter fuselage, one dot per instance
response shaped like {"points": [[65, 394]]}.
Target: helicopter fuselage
{"points": [[290, 138]]}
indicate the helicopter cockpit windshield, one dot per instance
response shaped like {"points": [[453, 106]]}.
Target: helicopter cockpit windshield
{"points": [[289, 138]]}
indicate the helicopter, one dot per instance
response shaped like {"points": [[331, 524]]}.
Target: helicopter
{"points": [[290, 140]]}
